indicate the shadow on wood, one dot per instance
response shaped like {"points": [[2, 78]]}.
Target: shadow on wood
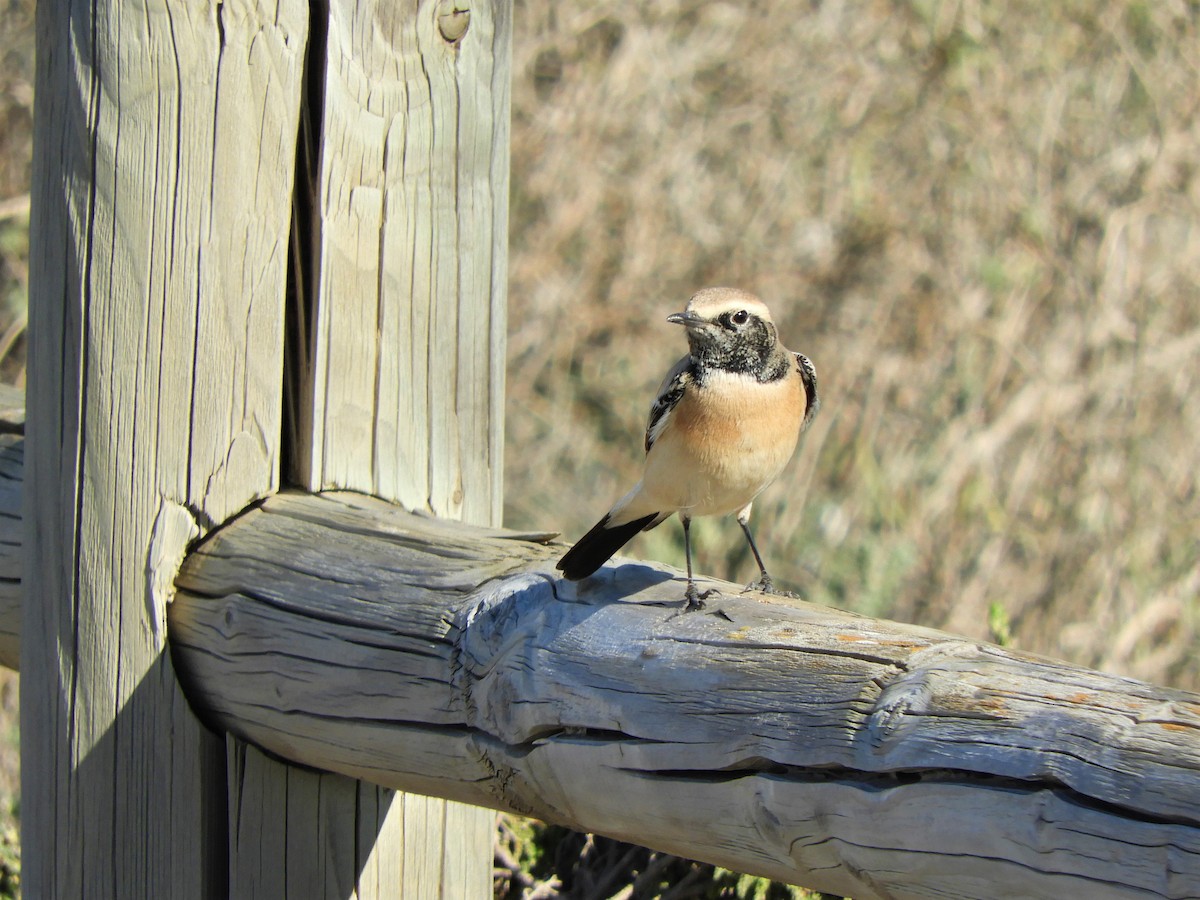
{"points": [[12, 455], [859, 757]]}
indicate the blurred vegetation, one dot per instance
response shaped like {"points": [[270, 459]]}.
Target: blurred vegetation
{"points": [[535, 861], [16, 153], [981, 222]]}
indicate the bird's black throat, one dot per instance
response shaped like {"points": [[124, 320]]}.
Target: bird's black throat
{"points": [[754, 352]]}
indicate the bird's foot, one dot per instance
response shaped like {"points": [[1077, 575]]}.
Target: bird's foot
{"points": [[694, 600], [766, 585]]}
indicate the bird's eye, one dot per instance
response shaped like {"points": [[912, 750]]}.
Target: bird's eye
{"points": [[741, 317]]}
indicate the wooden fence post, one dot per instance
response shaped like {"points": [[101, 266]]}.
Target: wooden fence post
{"points": [[159, 235], [401, 376], [165, 144]]}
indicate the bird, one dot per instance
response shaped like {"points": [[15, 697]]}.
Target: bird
{"points": [[726, 420]]}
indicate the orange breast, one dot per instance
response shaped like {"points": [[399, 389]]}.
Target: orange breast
{"points": [[724, 444]]}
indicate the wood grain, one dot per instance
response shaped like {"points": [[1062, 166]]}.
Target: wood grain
{"points": [[158, 245], [859, 757], [407, 365], [402, 386]]}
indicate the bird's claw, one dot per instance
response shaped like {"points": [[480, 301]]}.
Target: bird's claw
{"points": [[766, 585], [694, 600]]}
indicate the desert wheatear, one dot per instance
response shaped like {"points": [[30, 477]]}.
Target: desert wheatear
{"points": [[725, 422]]}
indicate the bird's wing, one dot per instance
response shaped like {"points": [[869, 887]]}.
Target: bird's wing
{"points": [[808, 375], [668, 396]]}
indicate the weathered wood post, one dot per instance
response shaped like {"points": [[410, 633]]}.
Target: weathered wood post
{"points": [[400, 379], [166, 140]]}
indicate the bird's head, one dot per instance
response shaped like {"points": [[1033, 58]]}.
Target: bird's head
{"points": [[730, 329]]}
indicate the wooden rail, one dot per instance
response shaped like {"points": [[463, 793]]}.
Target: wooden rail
{"points": [[859, 757]]}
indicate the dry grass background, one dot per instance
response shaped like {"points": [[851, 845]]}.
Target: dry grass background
{"points": [[981, 221]]}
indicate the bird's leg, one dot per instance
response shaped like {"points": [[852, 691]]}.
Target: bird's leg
{"points": [[765, 582], [694, 599]]}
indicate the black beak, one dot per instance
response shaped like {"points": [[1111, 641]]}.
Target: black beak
{"points": [[686, 319]]}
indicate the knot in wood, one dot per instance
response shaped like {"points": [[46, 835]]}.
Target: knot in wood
{"points": [[453, 21]]}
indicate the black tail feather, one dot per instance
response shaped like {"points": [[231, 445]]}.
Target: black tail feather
{"points": [[596, 547]]}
